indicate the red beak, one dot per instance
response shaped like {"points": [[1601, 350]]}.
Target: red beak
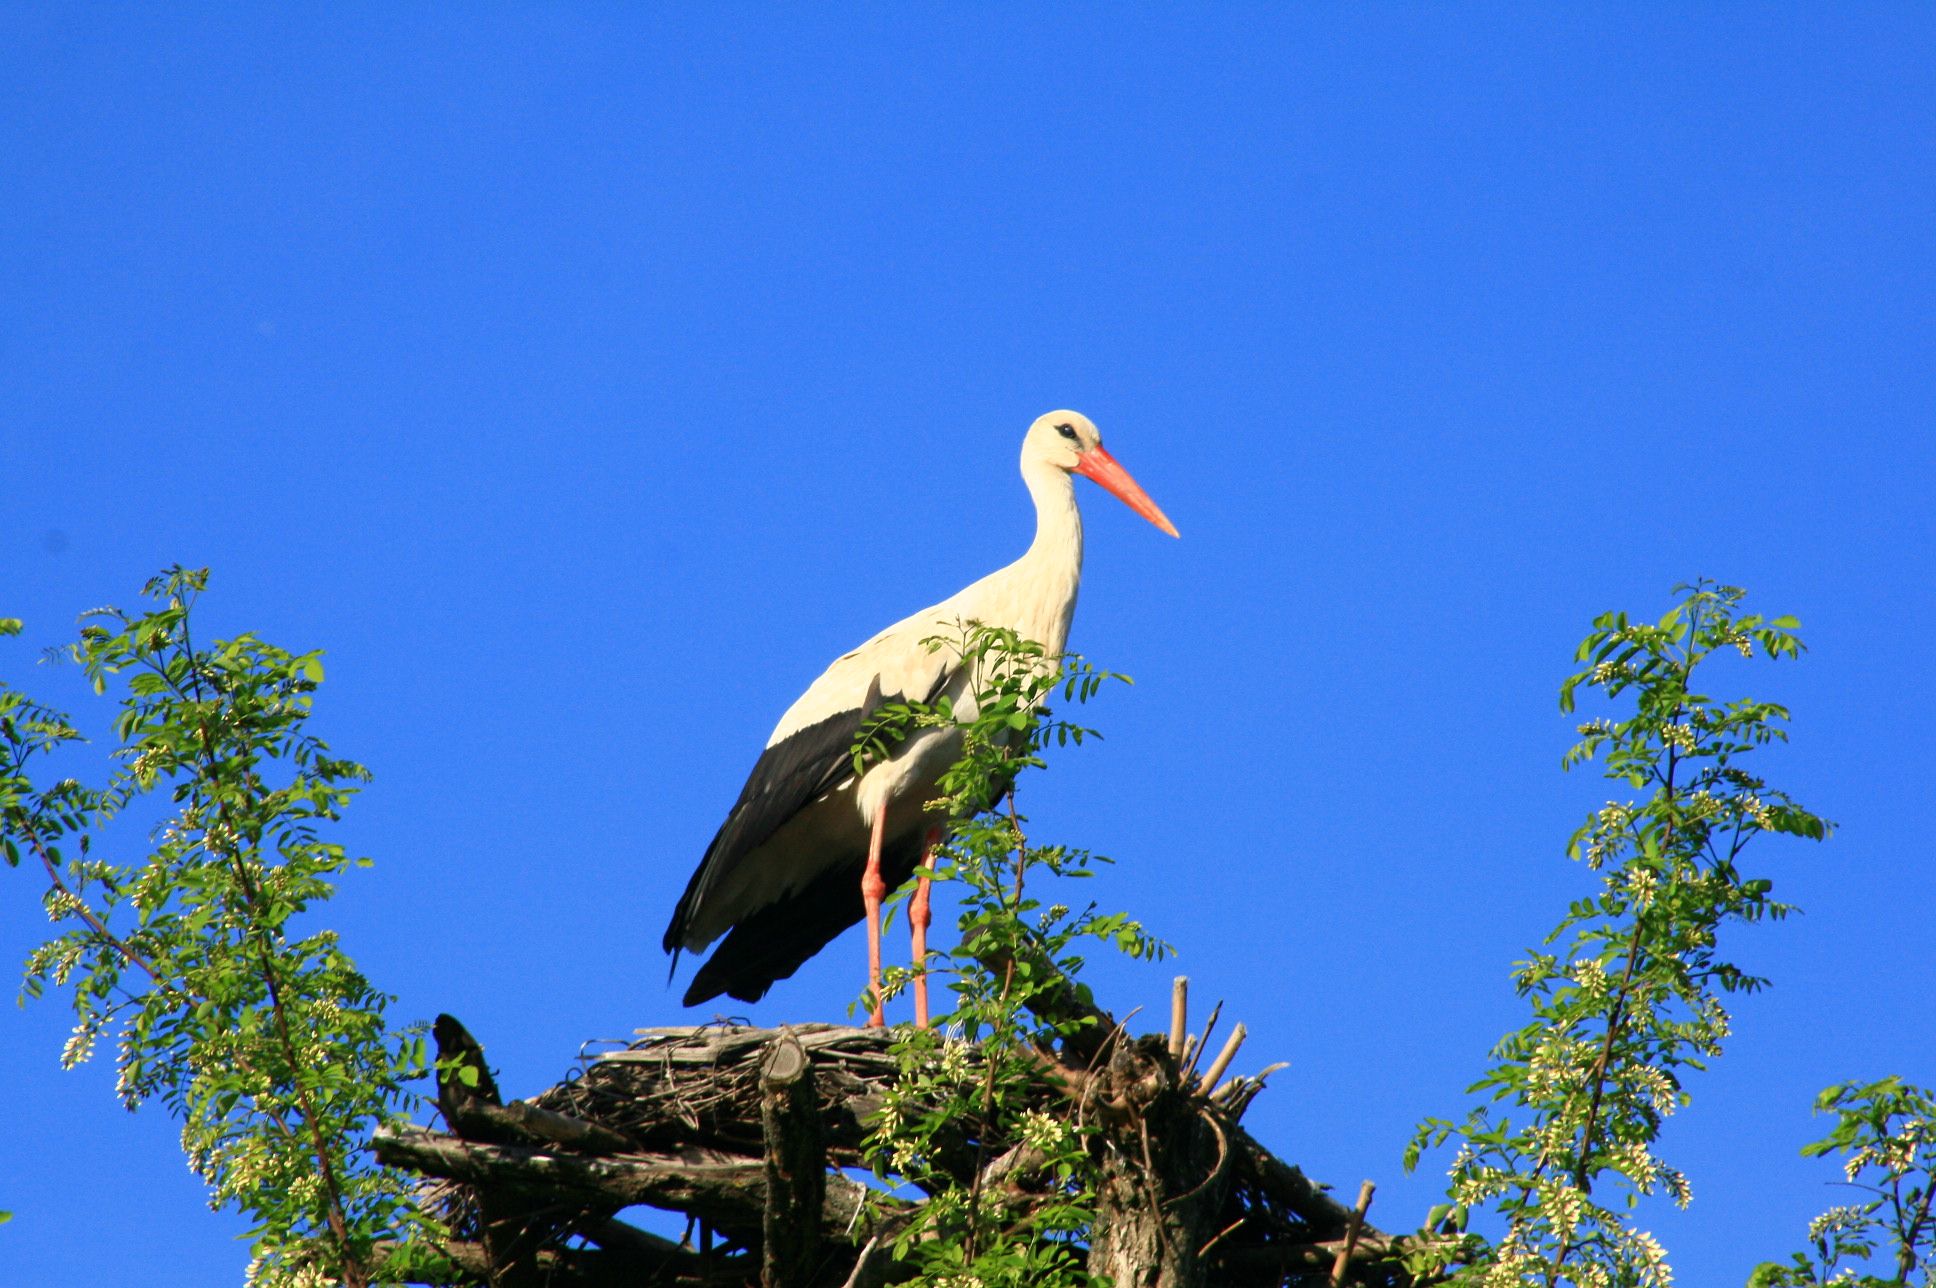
{"points": [[1101, 467]]}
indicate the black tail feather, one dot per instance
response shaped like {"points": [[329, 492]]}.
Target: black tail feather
{"points": [[773, 943]]}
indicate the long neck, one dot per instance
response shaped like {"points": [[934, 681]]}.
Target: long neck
{"points": [[1049, 573], [1058, 523]]}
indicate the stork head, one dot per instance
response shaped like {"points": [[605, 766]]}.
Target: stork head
{"points": [[1070, 441]]}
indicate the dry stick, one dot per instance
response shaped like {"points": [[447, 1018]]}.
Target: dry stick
{"points": [[1203, 1042], [1216, 1171], [1224, 1057], [1217, 1238], [864, 1263], [1351, 1234], [1080, 1088], [795, 1164], [1179, 1015], [1288, 1187], [1235, 1096], [1252, 1082], [1301, 1259]]}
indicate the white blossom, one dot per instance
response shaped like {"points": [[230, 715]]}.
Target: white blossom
{"points": [[79, 1046]]}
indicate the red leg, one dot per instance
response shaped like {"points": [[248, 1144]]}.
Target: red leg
{"points": [[872, 891], [919, 919]]}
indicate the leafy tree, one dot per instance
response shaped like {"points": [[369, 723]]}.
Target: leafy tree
{"points": [[275, 1053], [984, 1076], [266, 1043], [1886, 1133], [1635, 994]]}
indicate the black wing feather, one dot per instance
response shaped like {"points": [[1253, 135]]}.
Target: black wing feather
{"points": [[772, 943], [786, 777]]}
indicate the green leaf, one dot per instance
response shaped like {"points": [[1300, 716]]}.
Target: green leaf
{"points": [[204, 913]]}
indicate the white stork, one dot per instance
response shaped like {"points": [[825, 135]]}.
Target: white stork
{"points": [[809, 848]]}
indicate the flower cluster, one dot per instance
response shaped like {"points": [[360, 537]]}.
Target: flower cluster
{"points": [[1629, 994]]}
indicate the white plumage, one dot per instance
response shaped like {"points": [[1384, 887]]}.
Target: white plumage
{"points": [[785, 872]]}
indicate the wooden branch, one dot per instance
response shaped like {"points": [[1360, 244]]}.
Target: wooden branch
{"points": [[700, 1086], [630, 1241], [468, 1096], [623, 1263], [1202, 1041], [1288, 1187], [523, 1123], [462, 1074], [1224, 1057], [1235, 1096], [746, 1131], [712, 1045], [795, 1166], [1012, 1165], [724, 1189], [1351, 1234], [875, 1266], [1323, 1255]]}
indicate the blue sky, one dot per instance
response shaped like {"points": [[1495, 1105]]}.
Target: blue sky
{"points": [[584, 380]]}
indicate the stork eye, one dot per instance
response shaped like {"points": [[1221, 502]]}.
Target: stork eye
{"points": [[1068, 432]]}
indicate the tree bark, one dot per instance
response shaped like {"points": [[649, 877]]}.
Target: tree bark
{"points": [[1165, 1175], [795, 1166], [469, 1097]]}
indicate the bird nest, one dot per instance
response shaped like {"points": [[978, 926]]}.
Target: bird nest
{"points": [[755, 1135]]}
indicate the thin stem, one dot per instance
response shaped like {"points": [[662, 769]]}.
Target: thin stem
{"points": [[79, 907], [333, 1215], [1614, 1017], [1906, 1256], [128, 954], [1622, 994], [987, 1116], [995, 1053], [1021, 849]]}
